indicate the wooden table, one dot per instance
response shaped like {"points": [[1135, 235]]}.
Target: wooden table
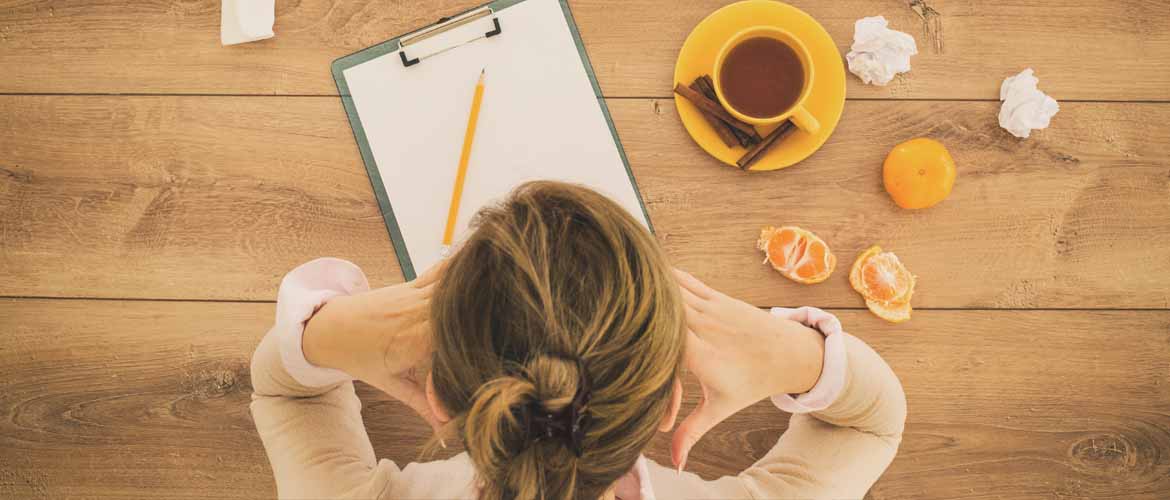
{"points": [[155, 186]]}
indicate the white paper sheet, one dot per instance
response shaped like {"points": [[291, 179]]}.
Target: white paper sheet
{"points": [[539, 120]]}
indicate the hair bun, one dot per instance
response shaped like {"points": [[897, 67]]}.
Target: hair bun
{"points": [[543, 401], [501, 434], [555, 379], [564, 422], [539, 405]]}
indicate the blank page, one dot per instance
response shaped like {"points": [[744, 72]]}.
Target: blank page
{"points": [[539, 120]]}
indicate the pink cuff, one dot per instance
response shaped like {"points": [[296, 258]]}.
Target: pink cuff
{"points": [[302, 292], [832, 379]]}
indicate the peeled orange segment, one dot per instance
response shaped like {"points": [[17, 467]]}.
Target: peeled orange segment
{"points": [[797, 254], [884, 282], [895, 313]]}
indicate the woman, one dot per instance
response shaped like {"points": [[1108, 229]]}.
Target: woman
{"points": [[553, 343]]}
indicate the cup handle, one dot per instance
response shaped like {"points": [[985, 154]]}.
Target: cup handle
{"points": [[805, 120]]}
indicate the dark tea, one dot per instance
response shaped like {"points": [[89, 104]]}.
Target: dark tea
{"points": [[761, 77]]}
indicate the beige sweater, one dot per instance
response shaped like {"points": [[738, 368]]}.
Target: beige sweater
{"points": [[310, 422]]}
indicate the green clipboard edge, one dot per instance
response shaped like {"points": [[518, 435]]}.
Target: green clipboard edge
{"points": [[359, 134]]}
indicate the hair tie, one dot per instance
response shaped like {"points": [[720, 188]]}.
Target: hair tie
{"points": [[567, 424]]}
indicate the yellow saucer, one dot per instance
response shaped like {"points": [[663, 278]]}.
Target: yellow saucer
{"points": [[826, 101]]}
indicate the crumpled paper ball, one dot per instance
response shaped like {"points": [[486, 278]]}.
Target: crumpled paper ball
{"points": [[1025, 108], [243, 21], [878, 53]]}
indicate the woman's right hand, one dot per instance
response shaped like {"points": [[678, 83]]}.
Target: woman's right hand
{"points": [[381, 337], [741, 354]]}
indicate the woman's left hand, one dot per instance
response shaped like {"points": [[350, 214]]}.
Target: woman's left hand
{"points": [[741, 354], [381, 337]]}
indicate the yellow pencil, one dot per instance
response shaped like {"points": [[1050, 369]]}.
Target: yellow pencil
{"points": [[468, 138]]}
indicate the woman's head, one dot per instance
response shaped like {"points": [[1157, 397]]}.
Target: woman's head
{"points": [[556, 287]]}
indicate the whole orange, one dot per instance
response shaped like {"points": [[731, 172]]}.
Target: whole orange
{"points": [[919, 173]]}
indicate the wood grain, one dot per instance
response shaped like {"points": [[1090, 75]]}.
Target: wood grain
{"points": [[148, 399], [218, 197], [175, 194], [1081, 49], [214, 195]]}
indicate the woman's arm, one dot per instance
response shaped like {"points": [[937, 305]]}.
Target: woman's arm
{"points": [[843, 434], [303, 402], [849, 407], [381, 337], [314, 435]]}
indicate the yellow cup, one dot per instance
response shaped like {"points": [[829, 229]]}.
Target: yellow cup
{"points": [[797, 112]]}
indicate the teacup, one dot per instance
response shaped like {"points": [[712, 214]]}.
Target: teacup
{"points": [[763, 75]]}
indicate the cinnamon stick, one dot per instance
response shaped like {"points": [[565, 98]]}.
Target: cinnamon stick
{"points": [[727, 134], [707, 87], [758, 150], [708, 83], [712, 107]]}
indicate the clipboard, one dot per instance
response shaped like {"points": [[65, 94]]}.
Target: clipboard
{"points": [[419, 55]]}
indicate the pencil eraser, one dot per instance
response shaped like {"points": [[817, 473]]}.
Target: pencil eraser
{"points": [[243, 21]]}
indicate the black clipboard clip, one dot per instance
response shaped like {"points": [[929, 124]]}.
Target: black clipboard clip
{"points": [[446, 24]]}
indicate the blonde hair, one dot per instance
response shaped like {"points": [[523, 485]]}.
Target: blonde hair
{"points": [[556, 280]]}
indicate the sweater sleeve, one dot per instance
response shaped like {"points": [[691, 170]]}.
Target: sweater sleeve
{"points": [[309, 417], [836, 446], [843, 433]]}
